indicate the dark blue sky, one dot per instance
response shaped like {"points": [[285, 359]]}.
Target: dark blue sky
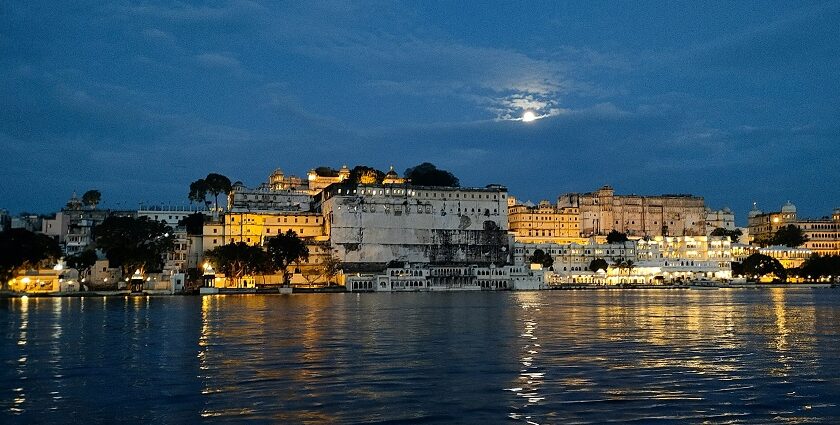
{"points": [[734, 101]]}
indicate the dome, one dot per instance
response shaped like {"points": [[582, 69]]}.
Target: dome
{"points": [[277, 172], [788, 207], [754, 211], [391, 173]]}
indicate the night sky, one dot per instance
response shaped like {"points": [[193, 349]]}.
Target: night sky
{"points": [[734, 101]]}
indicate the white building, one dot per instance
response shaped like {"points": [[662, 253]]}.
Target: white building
{"points": [[719, 219], [423, 278], [169, 215], [371, 225], [267, 197], [646, 261]]}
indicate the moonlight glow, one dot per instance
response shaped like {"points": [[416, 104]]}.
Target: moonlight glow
{"points": [[528, 116]]}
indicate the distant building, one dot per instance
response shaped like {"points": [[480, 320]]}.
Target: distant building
{"points": [[823, 233], [73, 226], [31, 222], [320, 178], [544, 223], [168, 214], [269, 198], [5, 220], [644, 261], [421, 278], [665, 215], [720, 219]]}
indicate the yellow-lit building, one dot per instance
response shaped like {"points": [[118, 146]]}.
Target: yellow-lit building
{"points": [[319, 181], [823, 234], [257, 228], [254, 228], [544, 223], [790, 258], [45, 281]]}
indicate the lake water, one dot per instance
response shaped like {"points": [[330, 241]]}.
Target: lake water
{"points": [[739, 356]]}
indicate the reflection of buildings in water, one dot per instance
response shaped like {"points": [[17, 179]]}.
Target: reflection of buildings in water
{"points": [[19, 394], [242, 353], [799, 321], [527, 384]]}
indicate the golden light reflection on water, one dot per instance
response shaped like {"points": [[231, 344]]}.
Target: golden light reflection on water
{"points": [[241, 355], [19, 397], [530, 380]]}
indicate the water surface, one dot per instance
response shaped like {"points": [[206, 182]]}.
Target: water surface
{"points": [[727, 356]]}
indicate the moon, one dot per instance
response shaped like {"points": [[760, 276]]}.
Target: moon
{"points": [[529, 116]]}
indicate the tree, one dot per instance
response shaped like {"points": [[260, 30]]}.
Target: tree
{"points": [[325, 171], [198, 192], [332, 267], [790, 236], [134, 243], [616, 237], [820, 266], [216, 185], [285, 249], [194, 223], [758, 265], [598, 264], [427, 174], [82, 261], [734, 235], [542, 258], [91, 198], [20, 248], [238, 259]]}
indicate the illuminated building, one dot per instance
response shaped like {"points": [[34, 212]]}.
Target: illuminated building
{"points": [[370, 225], [666, 215], [256, 227], [823, 234], [790, 258], [544, 223], [45, 281], [268, 197], [644, 261], [320, 178], [425, 277]]}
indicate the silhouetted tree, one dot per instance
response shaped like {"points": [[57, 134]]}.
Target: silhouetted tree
{"points": [[82, 261], [198, 192], [542, 258], [20, 248], [217, 184], [598, 264], [734, 235], [758, 265], [91, 198], [238, 259], [134, 243], [194, 223], [426, 174], [790, 236], [616, 237], [820, 266], [285, 249]]}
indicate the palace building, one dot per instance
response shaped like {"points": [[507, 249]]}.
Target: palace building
{"points": [[666, 215]]}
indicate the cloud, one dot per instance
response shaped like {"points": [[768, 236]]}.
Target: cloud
{"points": [[218, 60], [180, 11]]}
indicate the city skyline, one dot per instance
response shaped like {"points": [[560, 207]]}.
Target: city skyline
{"points": [[735, 102]]}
